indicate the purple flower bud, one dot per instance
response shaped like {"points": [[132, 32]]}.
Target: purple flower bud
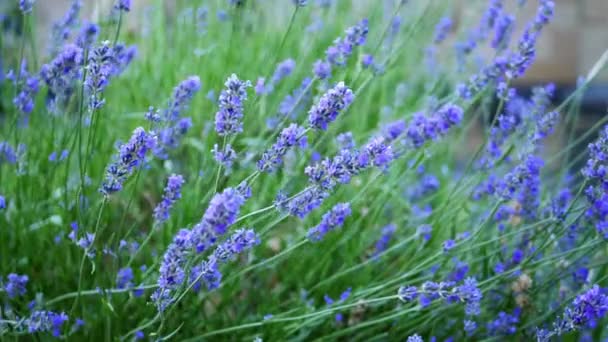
{"points": [[171, 195], [330, 105]]}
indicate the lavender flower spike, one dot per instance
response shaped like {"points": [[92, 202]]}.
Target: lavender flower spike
{"points": [[130, 156], [586, 309], [171, 195], [208, 271], [26, 5], [222, 212], [330, 105], [172, 269], [331, 220], [228, 120], [45, 321], [15, 285], [123, 5], [291, 136]]}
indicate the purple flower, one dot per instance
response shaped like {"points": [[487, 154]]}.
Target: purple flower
{"points": [[85, 242], [168, 124], [330, 105], [348, 163], [228, 120], [26, 5], [7, 153], [346, 141], [27, 87], [376, 153], [448, 245], [293, 103], [284, 69], [62, 72], [181, 98], [240, 241], [442, 29], [302, 204], [322, 69], [61, 30], [224, 157], [502, 31], [124, 278], [338, 53], [385, 238], [45, 321], [124, 56], [367, 60], [425, 231], [394, 130], [123, 5], [414, 338], [101, 66], [422, 129], [587, 308], [88, 35], [221, 213], [292, 136], [15, 285], [208, 271], [584, 312], [331, 220], [260, 86], [171, 194], [2, 202], [131, 155], [522, 59], [408, 293], [467, 293], [505, 324], [470, 327], [172, 269]]}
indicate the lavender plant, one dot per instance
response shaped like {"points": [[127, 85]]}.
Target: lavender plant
{"points": [[381, 176]]}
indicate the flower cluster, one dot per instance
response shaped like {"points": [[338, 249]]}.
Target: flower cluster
{"points": [[331, 220], [15, 285], [124, 278], [100, 67], [467, 293], [26, 5], [228, 120], [168, 125], [123, 5], [586, 309], [442, 29], [172, 271], [208, 271], [291, 136], [225, 157], [222, 212], [62, 29], [385, 239], [330, 105], [131, 155], [62, 72], [284, 69], [27, 85], [340, 51], [422, 128], [171, 195], [45, 321]]}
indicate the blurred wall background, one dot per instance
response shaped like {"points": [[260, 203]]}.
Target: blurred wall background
{"points": [[568, 48]]}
